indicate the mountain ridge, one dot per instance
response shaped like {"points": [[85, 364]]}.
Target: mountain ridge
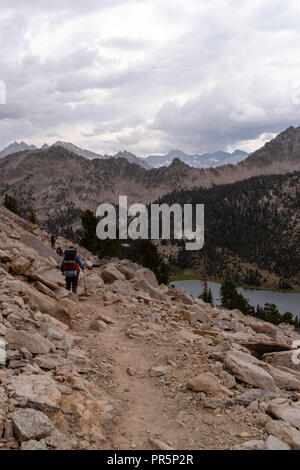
{"points": [[57, 179], [206, 160]]}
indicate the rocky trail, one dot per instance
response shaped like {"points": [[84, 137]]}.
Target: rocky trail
{"points": [[130, 364], [147, 414]]}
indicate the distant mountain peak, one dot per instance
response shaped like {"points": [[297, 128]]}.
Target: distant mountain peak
{"points": [[206, 160], [176, 153], [15, 147]]}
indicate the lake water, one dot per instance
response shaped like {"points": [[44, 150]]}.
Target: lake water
{"points": [[285, 302]]}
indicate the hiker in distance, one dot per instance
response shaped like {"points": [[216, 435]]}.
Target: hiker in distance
{"points": [[70, 267], [59, 251], [52, 241]]}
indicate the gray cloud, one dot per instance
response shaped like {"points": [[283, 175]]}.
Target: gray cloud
{"points": [[149, 75]]}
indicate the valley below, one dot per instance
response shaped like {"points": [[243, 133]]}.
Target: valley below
{"points": [[285, 301]]}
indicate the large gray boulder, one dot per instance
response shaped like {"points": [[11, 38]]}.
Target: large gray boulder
{"points": [[247, 369], [184, 297], [273, 443], [30, 424], [154, 292], [33, 342], [20, 264], [33, 445], [284, 380], [110, 274], [282, 359], [285, 432], [282, 409], [40, 391]]}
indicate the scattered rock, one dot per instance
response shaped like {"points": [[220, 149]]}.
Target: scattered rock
{"points": [[110, 274], [281, 409], [207, 383], [285, 432], [273, 443], [244, 368], [30, 424], [20, 265], [254, 445], [40, 391], [34, 343], [97, 325], [33, 445], [160, 445], [159, 371], [254, 395]]}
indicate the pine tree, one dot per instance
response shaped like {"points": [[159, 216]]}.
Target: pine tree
{"points": [[32, 216], [146, 254], [207, 297], [11, 204]]}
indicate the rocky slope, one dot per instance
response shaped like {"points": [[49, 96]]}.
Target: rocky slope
{"points": [[58, 182], [131, 364]]}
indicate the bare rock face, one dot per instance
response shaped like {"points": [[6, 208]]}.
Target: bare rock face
{"points": [[260, 348], [33, 445], [39, 300], [157, 444], [40, 391], [148, 275], [254, 445], [281, 409], [2, 352], [30, 424], [20, 265], [34, 343], [285, 432], [283, 359], [154, 292], [5, 256], [46, 273], [243, 367], [122, 287], [111, 273], [284, 380], [183, 296], [265, 328], [194, 315], [94, 283], [207, 383], [273, 443]]}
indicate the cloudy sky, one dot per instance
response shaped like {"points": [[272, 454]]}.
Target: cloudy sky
{"points": [[149, 75]]}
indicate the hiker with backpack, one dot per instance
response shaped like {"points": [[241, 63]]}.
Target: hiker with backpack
{"points": [[52, 241], [70, 267]]}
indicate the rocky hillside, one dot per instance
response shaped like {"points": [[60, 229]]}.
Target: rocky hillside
{"points": [[57, 182], [249, 225], [91, 155], [130, 364]]}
